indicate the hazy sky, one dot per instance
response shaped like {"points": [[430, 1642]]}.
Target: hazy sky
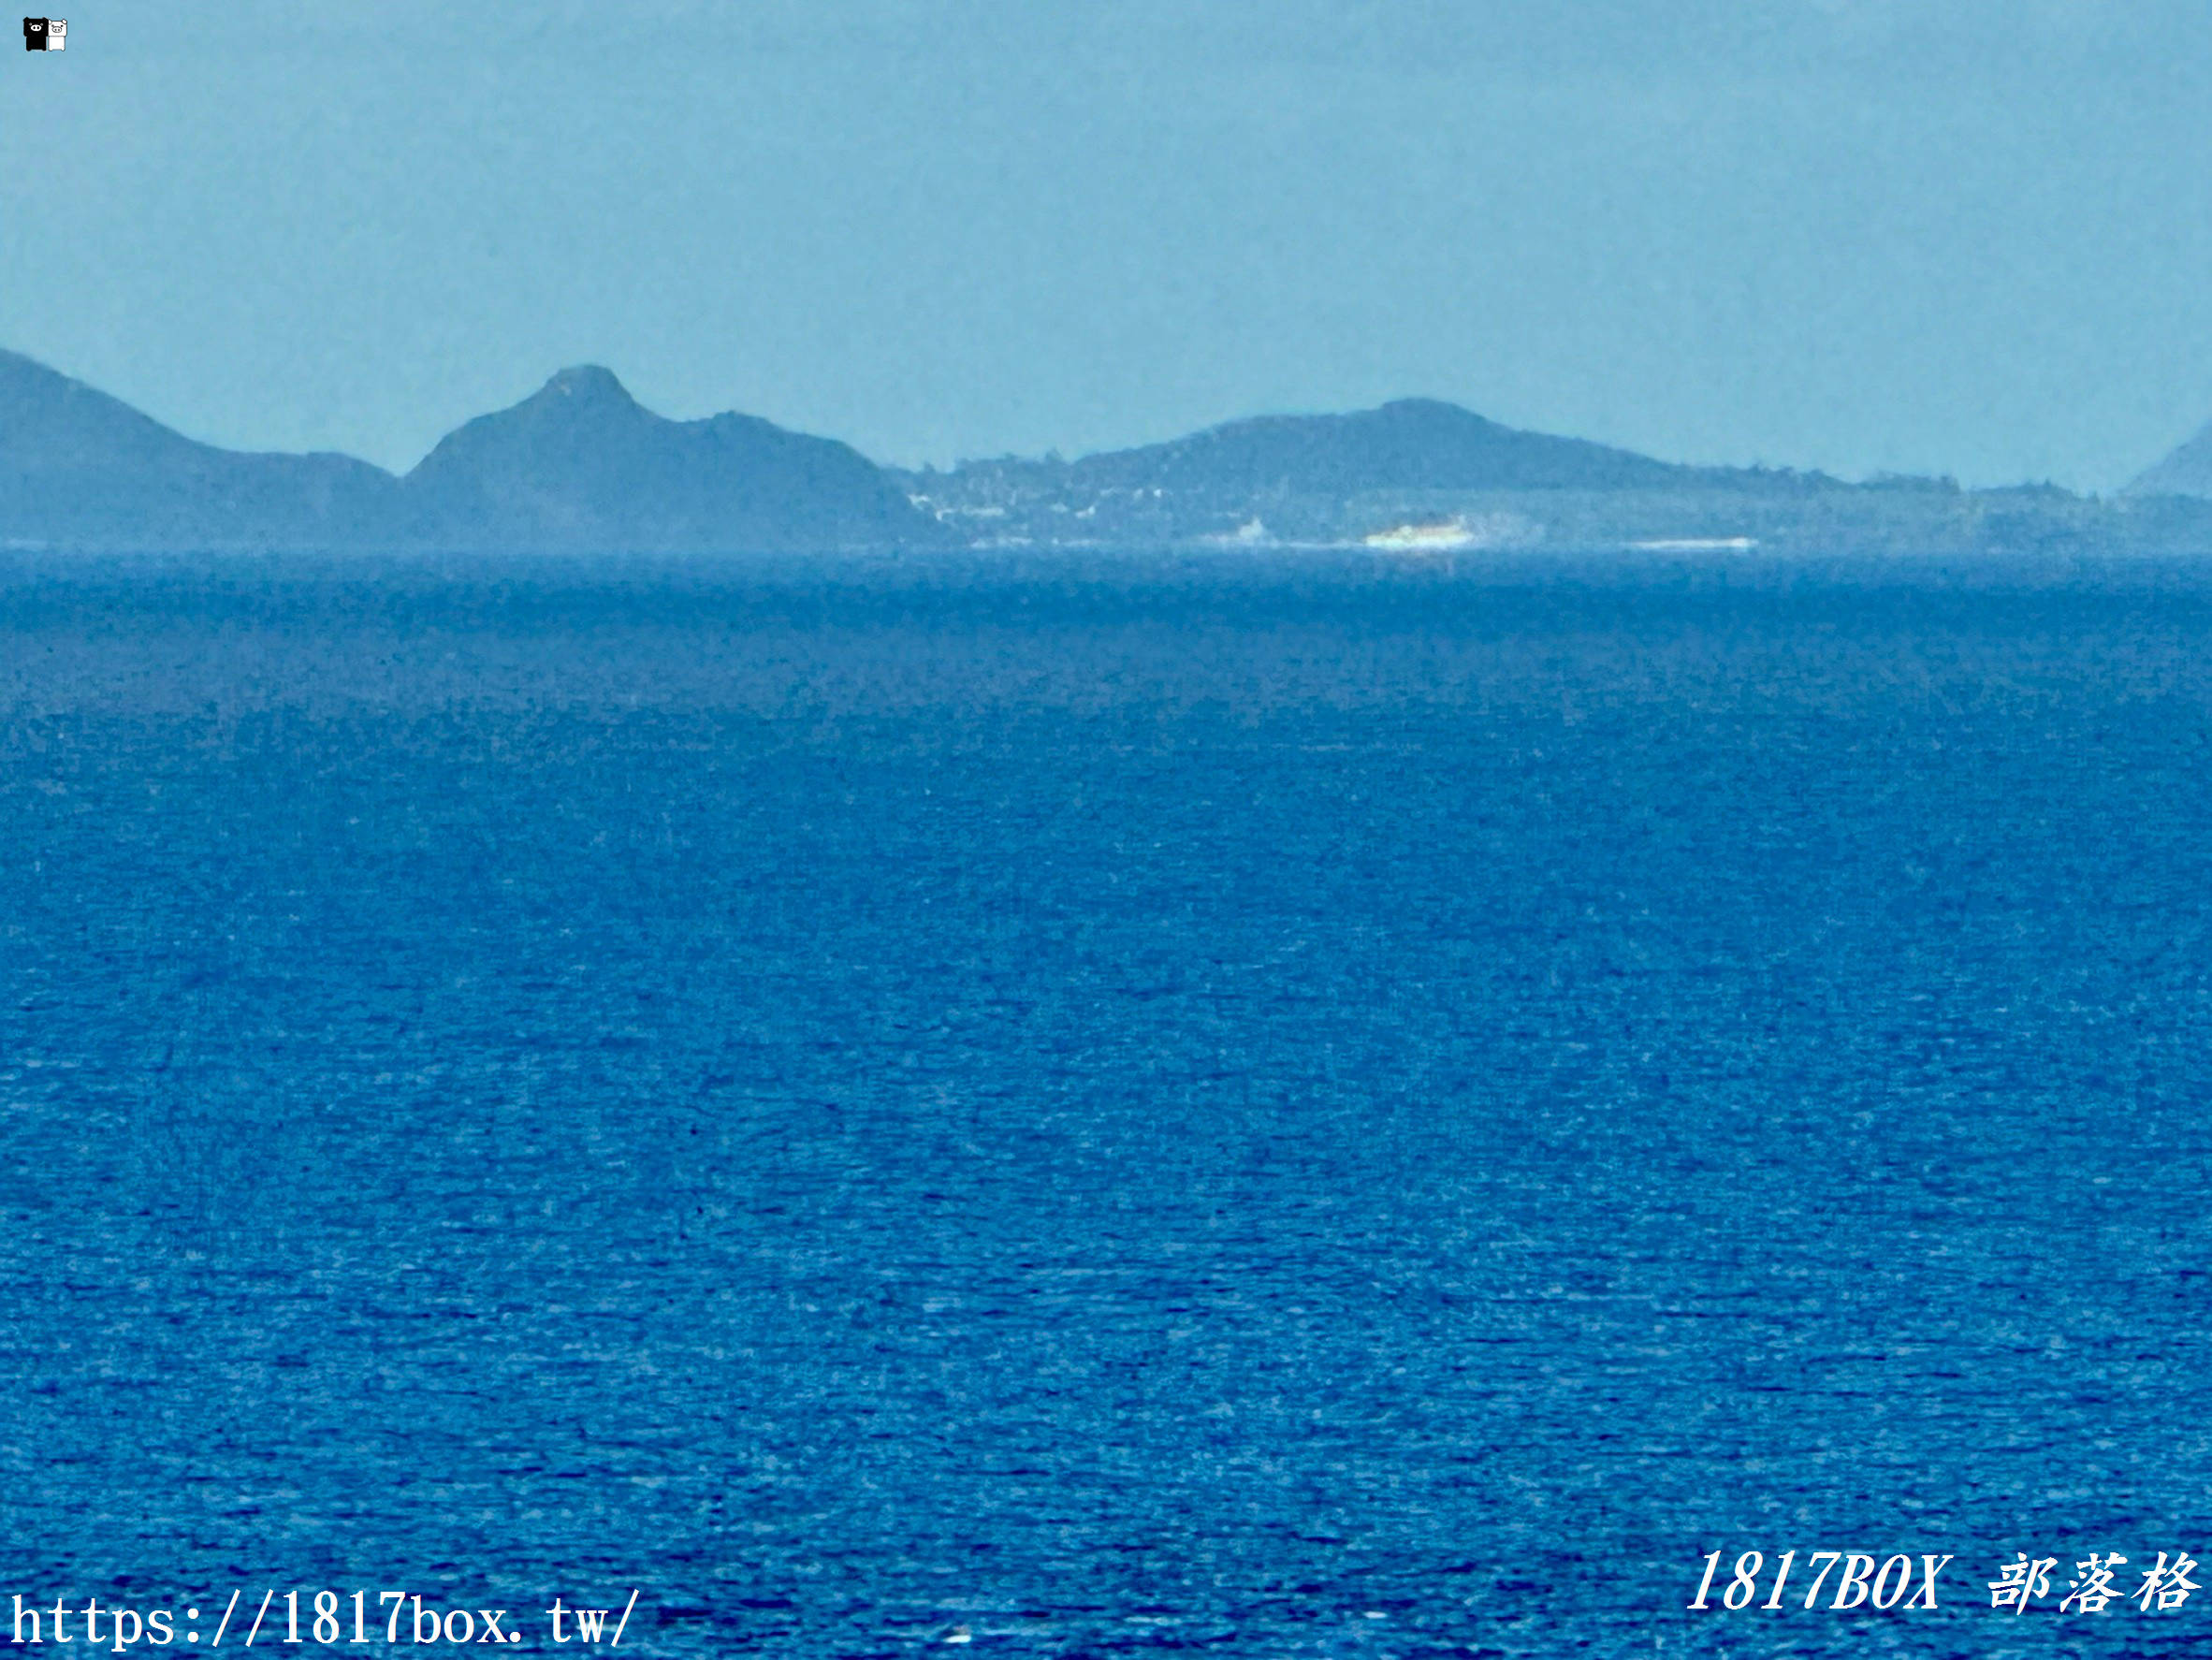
{"points": [[1857, 235]]}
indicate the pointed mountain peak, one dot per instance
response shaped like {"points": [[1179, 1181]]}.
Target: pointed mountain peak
{"points": [[588, 383], [581, 463]]}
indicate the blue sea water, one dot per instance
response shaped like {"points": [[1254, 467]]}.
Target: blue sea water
{"points": [[1107, 1103]]}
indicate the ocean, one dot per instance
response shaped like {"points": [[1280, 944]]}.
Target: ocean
{"points": [[1099, 1103]]}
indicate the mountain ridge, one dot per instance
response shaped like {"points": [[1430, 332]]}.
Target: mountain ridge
{"points": [[580, 465], [2186, 470], [76, 463], [581, 462], [1408, 443]]}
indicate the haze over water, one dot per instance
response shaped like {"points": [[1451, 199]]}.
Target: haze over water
{"points": [[1300, 1106]]}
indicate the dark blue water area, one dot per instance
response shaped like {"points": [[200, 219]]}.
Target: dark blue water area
{"points": [[1104, 1104]]}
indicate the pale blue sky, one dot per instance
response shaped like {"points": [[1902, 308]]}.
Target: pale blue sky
{"points": [[1952, 236]]}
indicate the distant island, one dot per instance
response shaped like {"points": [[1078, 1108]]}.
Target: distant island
{"points": [[581, 466]]}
